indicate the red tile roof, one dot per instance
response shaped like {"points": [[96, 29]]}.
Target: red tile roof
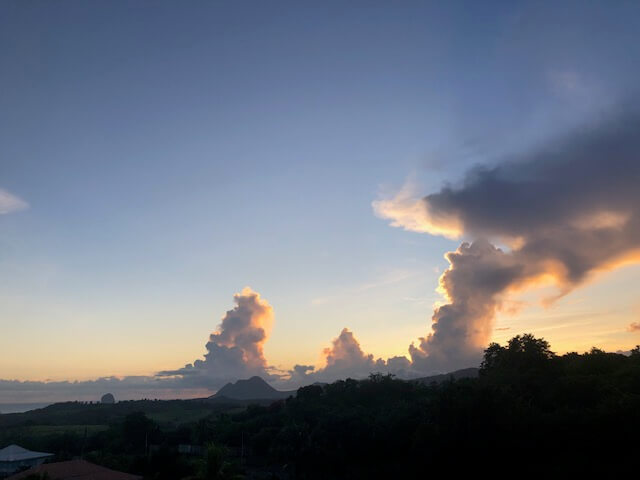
{"points": [[75, 470]]}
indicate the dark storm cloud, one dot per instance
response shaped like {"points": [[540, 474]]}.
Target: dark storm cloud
{"points": [[576, 200], [566, 210]]}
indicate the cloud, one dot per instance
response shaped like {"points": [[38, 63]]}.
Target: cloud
{"points": [[408, 211], [10, 203], [477, 274], [634, 327], [389, 278], [125, 388], [300, 374], [566, 211], [570, 83], [235, 350], [345, 356], [346, 359]]}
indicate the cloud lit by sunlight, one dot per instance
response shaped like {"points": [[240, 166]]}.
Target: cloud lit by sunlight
{"points": [[409, 211], [568, 210]]}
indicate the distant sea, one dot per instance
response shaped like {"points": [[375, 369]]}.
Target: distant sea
{"points": [[20, 407]]}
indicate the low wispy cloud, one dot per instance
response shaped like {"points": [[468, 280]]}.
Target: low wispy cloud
{"points": [[123, 388], [10, 203], [634, 327], [389, 278], [568, 82]]}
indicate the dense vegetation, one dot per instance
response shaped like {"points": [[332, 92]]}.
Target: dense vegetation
{"points": [[529, 412]]}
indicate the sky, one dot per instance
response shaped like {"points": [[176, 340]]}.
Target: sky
{"points": [[295, 169]]}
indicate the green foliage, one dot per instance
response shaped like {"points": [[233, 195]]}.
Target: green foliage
{"points": [[215, 465]]}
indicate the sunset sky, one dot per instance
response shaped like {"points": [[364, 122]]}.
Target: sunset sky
{"points": [[156, 158]]}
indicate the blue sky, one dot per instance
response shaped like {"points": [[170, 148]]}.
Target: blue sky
{"points": [[172, 153]]}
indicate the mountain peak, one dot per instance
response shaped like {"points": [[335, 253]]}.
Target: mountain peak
{"points": [[254, 388]]}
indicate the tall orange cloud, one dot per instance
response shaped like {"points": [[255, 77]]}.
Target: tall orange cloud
{"points": [[235, 349], [244, 328]]}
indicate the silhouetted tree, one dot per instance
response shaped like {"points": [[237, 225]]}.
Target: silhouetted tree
{"points": [[523, 353]]}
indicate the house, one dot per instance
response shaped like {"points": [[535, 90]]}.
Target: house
{"points": [[76, 470], [14, 458]]}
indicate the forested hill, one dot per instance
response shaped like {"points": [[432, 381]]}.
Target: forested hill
{"points": [[254, 388]]}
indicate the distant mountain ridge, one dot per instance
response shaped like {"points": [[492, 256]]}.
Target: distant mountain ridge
{"points": [[254, 388], [471, 372]]}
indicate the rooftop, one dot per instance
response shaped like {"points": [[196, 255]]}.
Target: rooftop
{"points": [[15, 453], [76, 470]]}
